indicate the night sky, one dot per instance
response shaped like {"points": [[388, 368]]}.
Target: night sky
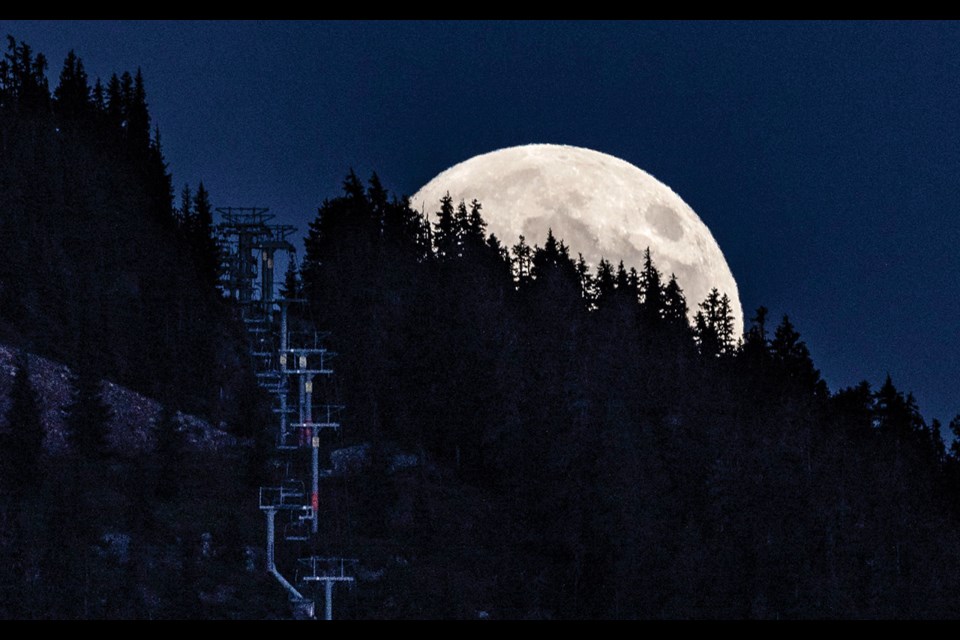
{"points": [[824, 157]]}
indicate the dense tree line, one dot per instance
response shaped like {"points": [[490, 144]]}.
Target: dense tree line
{"points": [[583, 449], [100, 271], [588, 452], [97, 531], [97, 265]]}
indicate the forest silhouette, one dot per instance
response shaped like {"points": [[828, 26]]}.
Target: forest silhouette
{"points": [[583, 450]]}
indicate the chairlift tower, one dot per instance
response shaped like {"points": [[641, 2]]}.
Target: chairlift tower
{"points": [[287, 365], [244, 233]]}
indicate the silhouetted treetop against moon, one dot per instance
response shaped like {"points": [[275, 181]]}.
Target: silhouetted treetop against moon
{"points": [[599, 205]]}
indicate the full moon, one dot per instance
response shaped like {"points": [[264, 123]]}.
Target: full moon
{"points": [[599, 205]]}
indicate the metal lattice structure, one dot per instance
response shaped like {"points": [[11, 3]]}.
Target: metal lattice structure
{"points": [[242, 234], [287, 366]]}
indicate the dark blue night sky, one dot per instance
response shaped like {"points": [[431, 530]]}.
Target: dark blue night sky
{"points": [[824, 157]]}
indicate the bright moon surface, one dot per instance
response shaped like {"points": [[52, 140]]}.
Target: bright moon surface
{"points": [[599, 205]]}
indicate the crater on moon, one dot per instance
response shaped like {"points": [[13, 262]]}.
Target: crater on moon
{"points": [[665, 221], [576, 199], [519, 179]]}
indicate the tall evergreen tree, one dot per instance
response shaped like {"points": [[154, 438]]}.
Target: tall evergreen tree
{"points": [[854, 409], [39, 96], [586, 280], [554, 273], [98, 97], [25, 86], [522, 261], [713, 324], [548, 257], [291, 282], [87, 415], [652, 294], [706, 333], [675, 305], [756, 346], [169, 453], [23, 440], [138, 116], [206, 250], [728, 340], [895, 414], [462, 221], [792, 358], [115, 108], [626, 293], [475, 235], [377, 197], [159, 184], [605, 282], [72, 95], [622, 279], [414, 231], [126, 103], [185, 212], [355, 192], [445, 234]]}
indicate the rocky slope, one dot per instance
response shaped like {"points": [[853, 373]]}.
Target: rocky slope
{"points": [[134, 416]]}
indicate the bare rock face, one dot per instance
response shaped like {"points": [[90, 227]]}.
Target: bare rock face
{"points": [[131, 428]]}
